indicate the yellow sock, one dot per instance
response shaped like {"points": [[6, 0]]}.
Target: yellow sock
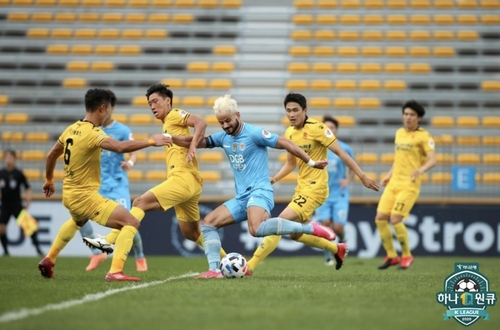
{"points": [[113, 235], [123, 246], [319, 243], [265, 248], [402, 236], [65, 234], [199, 241], [385, 234]]}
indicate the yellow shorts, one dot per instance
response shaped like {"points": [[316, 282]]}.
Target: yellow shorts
{"points": [[398, 200], [84, 205], [181, 191], [305, 202]]}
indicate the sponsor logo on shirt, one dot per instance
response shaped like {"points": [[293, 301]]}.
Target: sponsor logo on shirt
{"points": [[242, 146], [328, 133]]}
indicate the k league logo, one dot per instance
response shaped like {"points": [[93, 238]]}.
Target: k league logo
{"points": [[466, 294]]}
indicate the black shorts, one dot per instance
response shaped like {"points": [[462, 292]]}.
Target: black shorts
{"points": [[9, 209]]}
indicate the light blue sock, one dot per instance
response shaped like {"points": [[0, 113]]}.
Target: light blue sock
{"points": [[137, 246], [328, 255], [280, 226], [212, 244], [87, 231]]}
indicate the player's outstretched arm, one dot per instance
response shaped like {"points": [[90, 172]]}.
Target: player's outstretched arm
{"points": [[185, 141], [344, 156], [199, 126], [299, 153], [286, 169], [54, 153], [156, 140]]}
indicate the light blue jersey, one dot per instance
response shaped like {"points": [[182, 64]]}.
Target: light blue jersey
{"points": [[247, 153], [337, 171], [114, 180]]}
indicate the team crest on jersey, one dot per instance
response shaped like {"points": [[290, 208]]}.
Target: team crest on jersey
{"points": [[242, 146], [235, 146], [305, 135], [266, 134], [328, 133], [182, 113]]}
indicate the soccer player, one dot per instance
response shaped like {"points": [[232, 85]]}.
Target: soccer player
{"points": [[80, 145], [315, 138], [11, 179], [413, 156], [115, 186], [182, 189], [246, 149], [335, 210]]}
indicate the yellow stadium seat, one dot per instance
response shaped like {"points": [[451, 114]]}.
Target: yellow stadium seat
{"points": [[158, 18], [283, 156], [211, 176], [467, 121], [156, 156], [37, 137], [138, 3], [140, 101], [91, 3], [105, 49], [32, 174], [420, 68], [196, 83], [132, 34], [135, 18], [369, 103], [130, 50], [468, 159], [491, 121], [224, 50], [208, 3], [348, 35], [115, 3], [184, 3], [141, 118], [395, 51], [490, 85], [490, 4], [396, 4], [223, 66], [371, 51], [89, 17], [395, 35], [444, 4], [18, 17], [467, 19], [468, 140], [344, 103], [467, 4], [285, 122], [4, 99], [183, 18], [74, 83], [41, 17], [298, 67], [394, 85], [420, 4], [420, 35], [321, 85], [443, 51], [290, 178], [320, 102], [221, 84], [443, 35], [303, 4], [374, 4], [441, 177], [396, 19], [444, 19], [12, 136], [491, 140], [351, 4], [387, 158], [395, 67], [1, 117], [350, 19], [373, 19], [77, 66], [161, 3], [156, 34], [156, 175], [345, 85], [491, 178], [173, 83], [109, 33], [102, 66], [193, 101], [327, 4], [211, 157], [65, 17], [490, 19], [420, 19], [446, 159], [467, 35], [301, 35], [48, 3], [419, 51], [120, 117], [198, 66], [69, 3], [231, 3], [491, 159], [210, 101], [85, 33], [367, 158], [325, 19], [59, 174], [61, 33], [324, 35], [322, 67], [81, 49], [33, 155], [302, 19], [442, 121], [112, 17], [294, 85], [372, 35], [37, 33], [347, 67], [371, 67], [443, 139], [135, 175], [299, 51], [57, 49], [323, 51], [369, 85], [211, 119], [22, 2]]}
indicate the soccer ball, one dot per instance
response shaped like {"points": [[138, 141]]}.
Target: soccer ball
{"points": [[466, 285], [233, 265]]}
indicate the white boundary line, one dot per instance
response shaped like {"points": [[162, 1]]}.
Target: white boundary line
{"points": [[25, 313]]}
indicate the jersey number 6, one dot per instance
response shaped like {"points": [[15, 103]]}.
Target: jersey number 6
{"points": [[67, 152]]}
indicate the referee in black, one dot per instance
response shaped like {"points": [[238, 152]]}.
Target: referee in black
{"points": [[11, 179]]}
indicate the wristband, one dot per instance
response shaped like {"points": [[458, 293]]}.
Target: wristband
{"points": [[51, 181], [151, 142], [167, 135], [131, 163], [311, 163]]}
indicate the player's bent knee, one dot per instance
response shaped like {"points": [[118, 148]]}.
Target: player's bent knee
{"points": [[381, 216]]}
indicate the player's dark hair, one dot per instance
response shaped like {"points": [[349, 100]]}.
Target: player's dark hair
{"points": [[415, 106], [297, 98], [162, 90], [10, 151], [96, 97], [331, 120], [113, 97]]}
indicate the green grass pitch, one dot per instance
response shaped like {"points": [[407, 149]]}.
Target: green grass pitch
{"points": [[284, 293]]}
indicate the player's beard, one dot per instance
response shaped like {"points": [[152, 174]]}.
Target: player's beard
{"points": [[236, 128]]}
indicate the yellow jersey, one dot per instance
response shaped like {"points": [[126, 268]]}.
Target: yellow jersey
{"points": [[175, 156], [410, 153], [314, 138], [82, 156]]}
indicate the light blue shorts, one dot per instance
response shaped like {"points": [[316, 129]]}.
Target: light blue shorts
{"points": [[121, 196], [238, 206], [336, 210]]}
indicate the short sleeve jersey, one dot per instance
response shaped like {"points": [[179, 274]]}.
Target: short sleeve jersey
{"points": [[112, 174]]}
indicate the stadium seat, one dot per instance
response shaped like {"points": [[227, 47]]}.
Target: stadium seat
{"points": [[323, 51], [467, 35], [345, 121], [396, 19], [135, 175], [183, 18], [420, 4], [224, 50], [419, 51], [158, 18], [490, 19], [301, 35], [282, 157], [208, 3], [16, 118], [198, 66], [102, 66], [347, 51], [302, 19], [112, 17], [442, 121], [350, 4], [491, 140], [173, 83], [327, 4], [114, 3], [140, 118], [37, 137], [344, 103], [394, 85], [468, 159], [443, 139], [299, 51], [441, 177], [33, 155], [156, 156], [467, 121], [320, 102], [4, 99], [156, 175], [135, 18], [345, 85], [41, 17], [81, 49], [223, 66], [121, 118], [74, 83], [347, 67], [132, 34], [324, 35], [395, 67], [196, 83], [443, 35], [490, 121], [211, 157], [490, 86], [211, 119], [395, 51], [467, 4], [369, 85], [37, 33], [491, 178], [395, 35], [184, 3], [444, 19], [32, 174], [193, 101], [298, 67], [467, 140], [108, 33], [138, 3], [371, 51], [420, 68], [161, 3], [420, 19], [57, 49], [371, 67], [490, 4], [467, 19], [372, 35], [366, 158], [322, 67], [89, 17], [211, 176], [369, 103], [105, 49], [1, 117], [221, 84], [350, 19], [303, 4], [294, 85], [419, 35], [129, 50], [444, 158], [374, 4], [231, 3], [85, 33], [12, 136], [387, 158], [396, 4], [59, 174], [444, 4], [156, 34], [443, 51], [324, 19], [48, 3], [491, 159], [65, 17]]}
